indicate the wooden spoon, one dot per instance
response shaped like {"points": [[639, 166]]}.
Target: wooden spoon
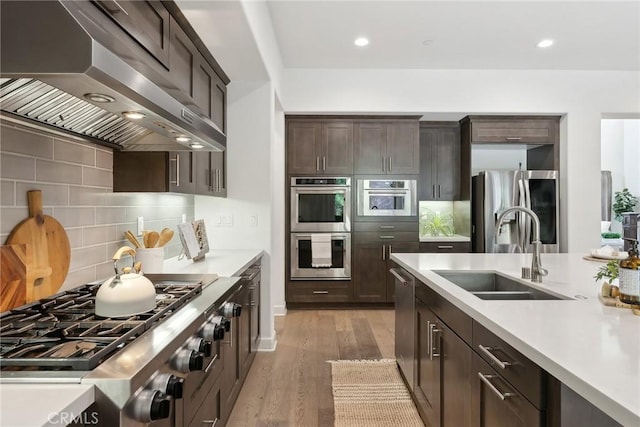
{"points": [[151, 239], [165, 235]]}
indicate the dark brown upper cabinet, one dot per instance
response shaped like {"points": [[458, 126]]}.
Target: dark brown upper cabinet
{"points": [[211, 176], [513, 129], [320, 147], [387, 146], [439, 161], [147, 22], [154, 171]]}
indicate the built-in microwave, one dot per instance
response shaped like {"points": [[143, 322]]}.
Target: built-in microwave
{"points": [[320, 204], [385, 197]]}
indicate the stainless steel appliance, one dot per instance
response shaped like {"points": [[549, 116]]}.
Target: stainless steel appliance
{"points": [[301, 258], [405, 324], [321, 204], [63, 67], [152, 367], [385, 197], [606, 194], [496, 190]]}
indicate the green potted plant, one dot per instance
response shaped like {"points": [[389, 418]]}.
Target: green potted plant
{"points": [[609, 273], [436, 224], [624, 201]]}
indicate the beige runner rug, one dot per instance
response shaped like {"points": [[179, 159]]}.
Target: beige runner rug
{"points": [[371, 393]]}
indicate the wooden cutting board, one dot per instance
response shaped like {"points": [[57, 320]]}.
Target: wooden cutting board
{"points": [[49, 247], [13, 283]]}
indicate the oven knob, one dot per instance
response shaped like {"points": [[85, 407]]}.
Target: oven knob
{"points": [[171, 385], [200, 345], [151, 405], [231, 309], [187, 360], [212, 331], [224, 323], [160, 406]]}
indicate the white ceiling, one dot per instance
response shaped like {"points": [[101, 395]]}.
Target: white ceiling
{"points": [[594, 35], [589, 35]]}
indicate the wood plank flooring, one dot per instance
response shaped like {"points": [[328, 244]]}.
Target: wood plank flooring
{"points": [[291, 387]]}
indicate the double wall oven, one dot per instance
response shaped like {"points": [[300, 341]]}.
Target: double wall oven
{"points": [[320, 218]]}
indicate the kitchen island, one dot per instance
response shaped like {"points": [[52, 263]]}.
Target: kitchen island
{"points": [[592, 349]]}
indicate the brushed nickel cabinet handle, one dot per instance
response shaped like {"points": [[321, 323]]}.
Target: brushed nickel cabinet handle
{"points": [[387, 227], [177, 180], [487, 350], [439, 191], [387, 237], [383, 255], [383, 163], [317, 164], [485, 379], [320, 292], [324, 163], [513, 138], [433, 191], [432, 331], [389, 163], [445, 246], [212, 423]]}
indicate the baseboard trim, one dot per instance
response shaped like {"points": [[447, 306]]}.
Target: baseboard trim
{"points": [[268, 343], [279, 310]]}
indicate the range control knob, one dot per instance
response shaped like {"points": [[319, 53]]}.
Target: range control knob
{"points": [[171, 385], [200, 345], [151, 405], [231, 309], [187, 360], [212, 331]]}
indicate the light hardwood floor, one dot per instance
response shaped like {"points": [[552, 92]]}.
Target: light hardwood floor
{"points": [[291, 386]]}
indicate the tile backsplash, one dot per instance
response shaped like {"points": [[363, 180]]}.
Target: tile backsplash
{"points": [[77, 189]]}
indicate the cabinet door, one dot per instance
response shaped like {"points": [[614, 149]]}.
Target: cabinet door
{"points": [[204, 173], [147, 22], [370, 271], [337, 148], [495, 403], [427, 389], [210, 412], [182, 60], [219, 103], [403, 147], [427, 183], [219, 173], [254, 302], [204, 81], [515, 130], [244, 341], [231, 374], [181, 176], [446, 164], [303, 140], [456, 358], [370, 147]]}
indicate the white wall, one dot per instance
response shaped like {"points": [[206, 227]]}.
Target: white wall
{"points": [[582, 96]]}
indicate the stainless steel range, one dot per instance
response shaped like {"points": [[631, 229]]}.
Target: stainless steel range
{"points": [[148, 368]]}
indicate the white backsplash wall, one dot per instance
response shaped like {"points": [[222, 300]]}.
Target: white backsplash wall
{"points": [[77, 189]]}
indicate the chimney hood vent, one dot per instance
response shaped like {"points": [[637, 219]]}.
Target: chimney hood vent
{"points": [[56, 70]]}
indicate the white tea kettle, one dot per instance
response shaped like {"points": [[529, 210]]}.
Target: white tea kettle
{"points": [[125, 294]]}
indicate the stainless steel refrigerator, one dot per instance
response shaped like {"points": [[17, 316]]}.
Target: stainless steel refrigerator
{"points": [[493, 191]]}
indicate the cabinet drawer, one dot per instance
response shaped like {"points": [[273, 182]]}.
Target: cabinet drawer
{"points": [[456, 319], [384, 237], [386, 227], [521, 372], [495, 402], [319, 291], [515, 130], [445, 247]]}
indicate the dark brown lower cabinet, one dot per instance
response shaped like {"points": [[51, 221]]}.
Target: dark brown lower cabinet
{"points": [[443, 389], [231, 377], [210, 412], [371, 264], [498, 404]]}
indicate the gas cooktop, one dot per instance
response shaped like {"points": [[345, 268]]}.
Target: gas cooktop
{"points": [[63, 332]]}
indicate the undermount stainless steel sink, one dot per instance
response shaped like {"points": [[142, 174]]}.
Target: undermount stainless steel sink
{"points": [[490, 285]]}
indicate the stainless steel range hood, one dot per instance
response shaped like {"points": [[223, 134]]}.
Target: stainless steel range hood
{"points": [[55, 59]]}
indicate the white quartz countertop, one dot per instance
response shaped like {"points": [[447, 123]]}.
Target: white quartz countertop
{"points": [[593, 349], [224, 263], [32, 405]]}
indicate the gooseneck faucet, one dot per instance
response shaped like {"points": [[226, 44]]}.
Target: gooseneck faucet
{"points": [[536, 265]]}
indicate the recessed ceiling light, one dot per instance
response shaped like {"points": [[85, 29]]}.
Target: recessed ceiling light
{"points": [[99, 97], [133, 115], [196, 145], [361, 41], [545, 43], [183, 139]]}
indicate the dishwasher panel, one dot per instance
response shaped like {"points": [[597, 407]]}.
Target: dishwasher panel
{"points": [[405, 324]]}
